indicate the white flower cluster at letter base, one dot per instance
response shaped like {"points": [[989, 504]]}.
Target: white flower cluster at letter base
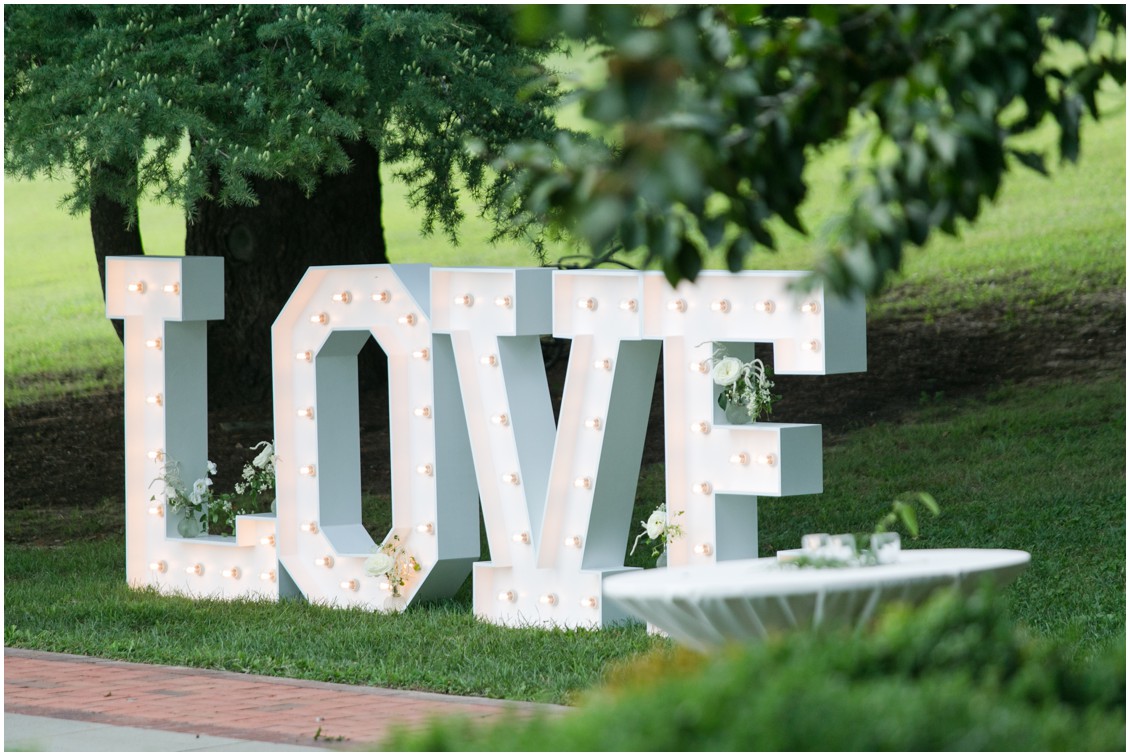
{"points": [[656, 528], [392, 563]]}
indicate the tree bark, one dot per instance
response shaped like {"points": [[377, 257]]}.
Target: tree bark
{"points": [[110, 228], [266, 251]]}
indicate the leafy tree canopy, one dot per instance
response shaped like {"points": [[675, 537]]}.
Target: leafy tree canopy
{"points": [[718, 109], [263, 92]]}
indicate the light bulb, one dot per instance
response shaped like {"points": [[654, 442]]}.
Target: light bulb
{"points": [[195, 569], [343, 296], [173, 288], [810, 308], [157, 510], [309, 471], [588, 603], [549, 599], [426, 528], [522, 537], [765, 306], [767, 459], [267, 540], [699, 367], [309, 527], [466, 300], [384, 585], [350, 585], [489, 360], [701, 427], [153, 343], [506, 596], [231, 572], [426, 470], [320, 319], [511, 478], [156, 455], [741, 458], [629, 305], [306, 356], [586, 304], [409, 319], [593, 423], [506, 302], [703, 549], [268, 576], [703, 487], [811, 346], [501, 419], [155, 399], [605, 364], [677, 305], [722, 305], [574, 541], [422, 354], [424, 412], [582, 483], [307, 412], [383, 297], [326, 561], [138, 287], [160, 566]]}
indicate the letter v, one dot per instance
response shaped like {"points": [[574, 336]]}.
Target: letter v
{"points": [[557, 503]]}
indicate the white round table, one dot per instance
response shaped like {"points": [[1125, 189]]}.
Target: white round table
{"points": [[706, 606]]}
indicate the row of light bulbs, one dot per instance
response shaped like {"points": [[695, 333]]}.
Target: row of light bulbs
{"points": [[140, 287], [548, 599]]}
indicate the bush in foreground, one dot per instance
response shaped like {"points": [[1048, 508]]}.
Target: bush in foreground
{"points": [[953, 675]]}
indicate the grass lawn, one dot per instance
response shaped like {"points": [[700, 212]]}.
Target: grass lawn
{"points": [[1036, 468]]}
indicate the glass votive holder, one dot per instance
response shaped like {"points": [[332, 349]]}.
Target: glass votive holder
{"points": [[814, 544], [886, 547], [842, 547]]}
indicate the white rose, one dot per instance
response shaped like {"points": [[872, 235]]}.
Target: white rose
{"points": [[264, 457], [727, 371], [199, 490], [656, 524], [379, 564]]}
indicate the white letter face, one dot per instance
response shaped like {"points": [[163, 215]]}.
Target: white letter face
{"points": [[165, 302], [556, 502], [716, 470], [322, 544]]}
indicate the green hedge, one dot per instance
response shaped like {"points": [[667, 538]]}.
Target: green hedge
{"points": [[953, 675]]}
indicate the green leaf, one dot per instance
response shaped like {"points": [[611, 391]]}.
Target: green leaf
{"points": [[1033, 160]]}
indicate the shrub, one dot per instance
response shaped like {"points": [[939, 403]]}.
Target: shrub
{"points": [[952, 675]]}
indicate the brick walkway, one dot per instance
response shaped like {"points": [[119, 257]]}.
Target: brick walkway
{"points": [[227, 704]]}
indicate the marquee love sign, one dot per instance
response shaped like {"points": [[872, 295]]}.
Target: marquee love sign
{"points": [[470, 422]]}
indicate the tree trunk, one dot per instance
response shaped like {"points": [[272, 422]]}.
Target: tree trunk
{"points": [[110, 228], [266, 251]]}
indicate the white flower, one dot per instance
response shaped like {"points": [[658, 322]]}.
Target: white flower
{"points": [[199, 490], [211, 467], [727, 371], [264, 457], [379, 564], [656, 524]]}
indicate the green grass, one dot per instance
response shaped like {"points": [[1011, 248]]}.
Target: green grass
{"points": [[1034, 468]]}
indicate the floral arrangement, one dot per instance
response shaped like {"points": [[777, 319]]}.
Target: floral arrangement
{"points": [[658, 531], [393, 563], [205, 510], [744, 384]]}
